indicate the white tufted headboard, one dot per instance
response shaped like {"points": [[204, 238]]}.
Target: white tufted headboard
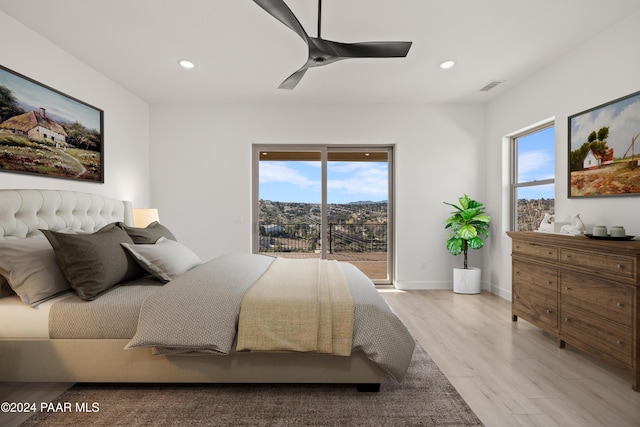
{"points": [[23, 212]]}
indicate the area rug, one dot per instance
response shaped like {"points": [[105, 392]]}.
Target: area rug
{"points": [[424, 398]]}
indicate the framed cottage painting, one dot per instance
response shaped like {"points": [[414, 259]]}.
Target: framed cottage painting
{"points": [[604, 148], [45, 132]]}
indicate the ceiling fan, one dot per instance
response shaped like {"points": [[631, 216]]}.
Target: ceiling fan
{"points": [[324, 52]]}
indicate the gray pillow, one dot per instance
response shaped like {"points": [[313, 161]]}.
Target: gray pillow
{"points": [[166, 259], [148, 235], [29, 266], [94, 263]]}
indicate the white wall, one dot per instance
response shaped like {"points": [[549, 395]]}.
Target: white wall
{"points": [[602, 69], [201, 170], [126, 117]]}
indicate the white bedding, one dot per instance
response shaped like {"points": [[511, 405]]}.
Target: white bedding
{"points": [[18, 320]]}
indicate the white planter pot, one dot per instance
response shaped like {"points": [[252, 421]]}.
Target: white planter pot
{"points": [[467, 281]]}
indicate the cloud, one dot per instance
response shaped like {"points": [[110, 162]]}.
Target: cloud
{"points": [[280, 172], [536, 164], [347, 181], [366, 179], [623, 125]]}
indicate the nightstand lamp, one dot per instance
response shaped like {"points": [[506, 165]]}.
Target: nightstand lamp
{"points": [[144, 216]]}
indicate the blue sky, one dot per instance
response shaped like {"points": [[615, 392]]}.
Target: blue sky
{"points": [[622, 118], [36, 96], [536, 161], [299, 181]]}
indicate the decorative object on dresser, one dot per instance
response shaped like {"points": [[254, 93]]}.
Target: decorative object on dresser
{"points": [[573, 225], [550, 225], [583, 291], [617, 233], [469, 224]]}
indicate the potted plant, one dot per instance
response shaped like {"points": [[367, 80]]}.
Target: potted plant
{"points": [[469, 225]]}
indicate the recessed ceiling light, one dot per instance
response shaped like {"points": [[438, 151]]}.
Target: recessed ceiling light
{"points": [[186, 64], [447, 64]]}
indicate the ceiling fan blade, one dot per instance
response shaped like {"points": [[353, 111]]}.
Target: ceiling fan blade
{"points": [[370, 49], [279, 10], [293, 80]]}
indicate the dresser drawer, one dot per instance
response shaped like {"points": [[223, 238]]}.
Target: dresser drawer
{"points": [[534, 249], [601, 334], [608, 300], [600, 263], [536, 304], [533, 274]]}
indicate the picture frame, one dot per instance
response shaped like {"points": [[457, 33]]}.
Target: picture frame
{"points": [[604, 149], [48, 133]]}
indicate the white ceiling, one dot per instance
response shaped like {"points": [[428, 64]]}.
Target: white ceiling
{"points": [[243, 54]]}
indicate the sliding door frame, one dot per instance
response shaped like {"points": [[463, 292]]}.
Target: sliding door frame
{"points": [[324, 150]]}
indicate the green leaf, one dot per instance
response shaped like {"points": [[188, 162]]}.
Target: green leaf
{"points": [[455, 206], [454, 246], [483, 218], [467, 232], [468, 225], [464, 201], [475, 243], [474, 204], [482, 232]]}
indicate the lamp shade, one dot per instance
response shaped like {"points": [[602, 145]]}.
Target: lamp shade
{"points": [[144, 216]]}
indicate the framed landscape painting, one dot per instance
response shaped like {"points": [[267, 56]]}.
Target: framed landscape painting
{"points": [[604, 148], [45, 132]]}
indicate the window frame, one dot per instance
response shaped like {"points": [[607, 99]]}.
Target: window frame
{"points": [[325, 149], [514, 184]]}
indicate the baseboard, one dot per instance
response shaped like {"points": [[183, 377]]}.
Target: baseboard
{"points": [[419, 285], [406, 285], [501, 292]]}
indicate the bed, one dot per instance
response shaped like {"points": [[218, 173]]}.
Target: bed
{"points": [[34, 349]]}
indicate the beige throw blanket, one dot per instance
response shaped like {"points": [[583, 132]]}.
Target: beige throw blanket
{"points": [[298, 305]]}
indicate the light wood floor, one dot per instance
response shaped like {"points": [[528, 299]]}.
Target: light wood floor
{"points": [[510, 373]]}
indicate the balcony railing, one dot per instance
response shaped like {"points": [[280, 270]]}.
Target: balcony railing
{"points": [[306, 238]]}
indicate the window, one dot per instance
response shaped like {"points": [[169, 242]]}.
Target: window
{"points": [[325, 202], [533, 177]]}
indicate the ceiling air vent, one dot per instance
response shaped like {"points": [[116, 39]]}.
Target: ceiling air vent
{"points": [[491, 85]]}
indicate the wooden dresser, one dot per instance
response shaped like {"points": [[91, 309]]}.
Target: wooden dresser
{"points": [[581, 290]]}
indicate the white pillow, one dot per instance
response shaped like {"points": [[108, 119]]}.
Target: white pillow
{"points": [[31, 268], [165, 259]]}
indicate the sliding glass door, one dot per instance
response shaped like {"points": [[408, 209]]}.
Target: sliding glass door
{"points": [[325, 202]]}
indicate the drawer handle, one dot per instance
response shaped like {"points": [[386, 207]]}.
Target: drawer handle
{"points": [[548, 282], [566, 319], [549, 253], [619, 305], [566, 288], [620, 267], [567, 256], [619, 342], [548, 311]]}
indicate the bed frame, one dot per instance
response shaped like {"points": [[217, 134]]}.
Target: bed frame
{"points": [[23, 212]]}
